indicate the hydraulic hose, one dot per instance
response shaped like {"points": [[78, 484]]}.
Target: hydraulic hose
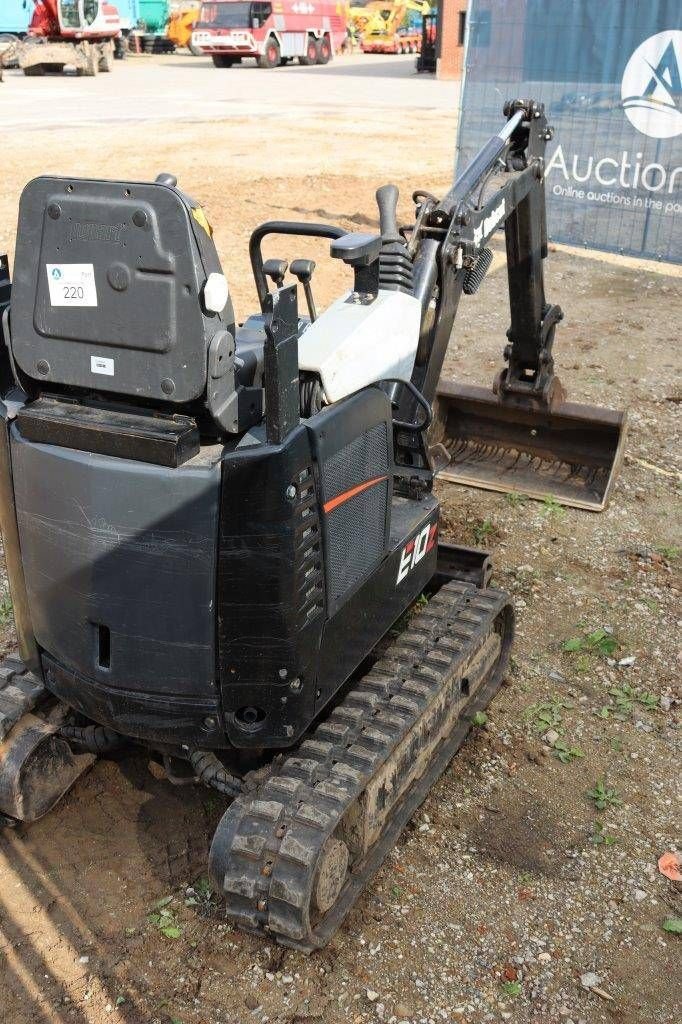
{"points": [[211, 771], [94, 738]]}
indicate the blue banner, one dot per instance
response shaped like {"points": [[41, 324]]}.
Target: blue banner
{"points": [[609, 74]]}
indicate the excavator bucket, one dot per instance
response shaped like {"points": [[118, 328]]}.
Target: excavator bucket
{"points": [[565, 451]]}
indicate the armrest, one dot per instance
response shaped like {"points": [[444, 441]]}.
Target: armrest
{"points": [[357, 249]]}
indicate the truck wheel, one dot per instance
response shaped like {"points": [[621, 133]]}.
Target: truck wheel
{"points": [[310, 53], [272, 56], [221, 60], [106, 58], [324, 50]]}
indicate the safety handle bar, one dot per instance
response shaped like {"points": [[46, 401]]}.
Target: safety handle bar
{"points": [[419, 399], [283, 227]]}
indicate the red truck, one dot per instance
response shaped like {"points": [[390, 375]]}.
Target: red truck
{"points": [[274, 33]]}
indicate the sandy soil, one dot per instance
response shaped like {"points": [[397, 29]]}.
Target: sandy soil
{"points": [[509, 886]]}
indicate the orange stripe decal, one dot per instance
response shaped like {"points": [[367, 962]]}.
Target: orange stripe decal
{"points": [[329, 506]]}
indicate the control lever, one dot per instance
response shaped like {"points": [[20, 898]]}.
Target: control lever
{"points": [[395, 265], [275, 270], [303, 272], [387, 201]]}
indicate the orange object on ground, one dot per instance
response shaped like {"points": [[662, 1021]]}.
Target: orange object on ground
{"points": [[669, 865]]}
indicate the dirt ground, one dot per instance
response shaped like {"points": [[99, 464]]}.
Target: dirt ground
{"points": [[510, 890]]}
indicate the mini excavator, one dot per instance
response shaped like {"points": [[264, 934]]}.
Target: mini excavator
{"points": [[222, 541]]}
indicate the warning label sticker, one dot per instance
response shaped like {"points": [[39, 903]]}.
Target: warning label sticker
{"points": [[71, 284]]}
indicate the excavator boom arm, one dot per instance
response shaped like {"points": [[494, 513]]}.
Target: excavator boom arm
{"points": [[520, 435]]}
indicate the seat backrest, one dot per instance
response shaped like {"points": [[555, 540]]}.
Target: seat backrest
{"points": [[117, 288]]}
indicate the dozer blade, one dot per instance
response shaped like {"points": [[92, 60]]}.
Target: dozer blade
{"points": [[566, 451]]}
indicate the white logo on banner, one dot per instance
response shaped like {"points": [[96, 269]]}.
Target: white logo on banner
{"points": [[651, 90]]}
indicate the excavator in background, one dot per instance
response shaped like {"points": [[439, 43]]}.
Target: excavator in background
{"points": [[80, 33], [181, 25], [388, 27]]}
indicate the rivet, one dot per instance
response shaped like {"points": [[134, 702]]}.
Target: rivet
{"points": [[167, 386]]}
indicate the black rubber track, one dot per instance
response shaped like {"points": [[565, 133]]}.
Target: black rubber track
{"points": [[20, 692], [267, 846]]}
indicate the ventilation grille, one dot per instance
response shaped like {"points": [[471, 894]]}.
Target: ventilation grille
{"points": [[356, 528], [308, 567]]}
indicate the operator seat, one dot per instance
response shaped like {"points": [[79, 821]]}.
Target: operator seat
{"points": [[118, 290]]}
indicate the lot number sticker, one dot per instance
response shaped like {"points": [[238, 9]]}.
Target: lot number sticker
{"points": [[71, 284]]}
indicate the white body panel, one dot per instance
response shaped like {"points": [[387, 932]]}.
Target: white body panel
{"points": [[240, 39], [352, 345]]}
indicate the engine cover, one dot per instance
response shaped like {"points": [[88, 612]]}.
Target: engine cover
{"points": [[353, 343]]}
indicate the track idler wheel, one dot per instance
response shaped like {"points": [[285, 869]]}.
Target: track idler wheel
{"points": [[330, 874]]}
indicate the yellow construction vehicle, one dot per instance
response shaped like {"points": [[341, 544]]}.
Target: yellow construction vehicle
{"points": [[181, 25], [386, 28]]}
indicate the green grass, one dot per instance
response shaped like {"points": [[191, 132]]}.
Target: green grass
{"points": [[603, 797], [6, 610], [564, 753], [599, 837], [515, 498], [482, 530], [624, 699], [552, 507], [599, 641], [547, 714], [163, 917]]}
